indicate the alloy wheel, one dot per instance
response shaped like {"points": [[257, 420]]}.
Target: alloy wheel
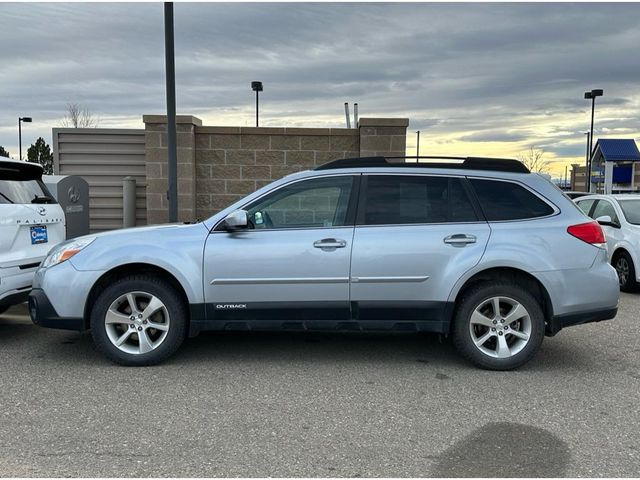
{"points": [[500, 327], [622, 267], [137, 322]]}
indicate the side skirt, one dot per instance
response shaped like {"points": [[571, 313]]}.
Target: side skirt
{"points": [[322, 316]]}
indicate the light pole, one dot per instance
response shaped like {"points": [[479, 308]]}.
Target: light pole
{"points": [[598, 92], [170, 80], [20, 120], [418, 143], [256, 87]]}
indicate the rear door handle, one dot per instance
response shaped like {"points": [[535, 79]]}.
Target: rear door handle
{"points": [[330, 243], [459, 239]]}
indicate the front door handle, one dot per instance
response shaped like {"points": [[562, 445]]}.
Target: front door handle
{"points": [[330, 243], [459, 239]]}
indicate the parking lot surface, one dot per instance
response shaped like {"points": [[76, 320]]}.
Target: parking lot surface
{"points": [[246, 404]]}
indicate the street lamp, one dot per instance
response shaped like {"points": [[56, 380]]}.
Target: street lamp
{"points": [[418, 143], [20, 120], [598, 92], [256, 87]]}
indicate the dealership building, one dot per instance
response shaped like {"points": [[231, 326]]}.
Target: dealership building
{"points": [[613, 168]]}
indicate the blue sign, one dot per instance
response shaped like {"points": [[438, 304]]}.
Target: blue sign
{"points": [[39, 235]]}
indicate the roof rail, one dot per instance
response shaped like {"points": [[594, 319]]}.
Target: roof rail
{"points": [[465, 163]]}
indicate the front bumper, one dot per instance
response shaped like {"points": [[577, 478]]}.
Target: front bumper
{"points": [[559, 322], [42, 313]]}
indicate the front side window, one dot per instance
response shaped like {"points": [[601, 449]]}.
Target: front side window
{"points": [[631, 210], [400, 199], [605, 208], [585, 205], [502, 200], [314, 203]]}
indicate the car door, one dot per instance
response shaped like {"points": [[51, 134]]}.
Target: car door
{"points": [[415, 236], [613, 234], [293, 262]]}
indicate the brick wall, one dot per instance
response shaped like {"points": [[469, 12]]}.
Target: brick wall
{"points": [[219, 165]]}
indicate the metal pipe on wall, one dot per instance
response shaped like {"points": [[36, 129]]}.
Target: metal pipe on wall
{"points": [[346, 113]]}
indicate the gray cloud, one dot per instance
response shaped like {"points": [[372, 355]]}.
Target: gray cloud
{"points": [[480, 72]]}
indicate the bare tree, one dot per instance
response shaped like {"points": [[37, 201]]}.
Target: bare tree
{"points": [[534, 161], [78, 116]]}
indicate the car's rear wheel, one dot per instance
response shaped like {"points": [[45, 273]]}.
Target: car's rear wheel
{"points": [[623, 263], [139, 320], [498, 326]]}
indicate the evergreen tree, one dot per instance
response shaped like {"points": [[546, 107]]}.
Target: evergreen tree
{"points": [[3, 152], [40, 152]]}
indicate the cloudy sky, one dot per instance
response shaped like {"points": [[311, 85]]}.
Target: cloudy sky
{"points": [[484, 79]]}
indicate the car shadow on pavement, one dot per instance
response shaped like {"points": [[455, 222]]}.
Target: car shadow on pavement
{"points": [[505, 449], [288, 347], [65, 347]]}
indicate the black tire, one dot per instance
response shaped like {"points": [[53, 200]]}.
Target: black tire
{"points": [[476, 296], [155, 286], [623, 263]]}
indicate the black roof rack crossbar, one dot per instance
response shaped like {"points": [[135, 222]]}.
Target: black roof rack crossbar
{"points": [[465, 163]]}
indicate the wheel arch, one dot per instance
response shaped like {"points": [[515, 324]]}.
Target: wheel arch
{"points": [[130, 269], [533, 284]]}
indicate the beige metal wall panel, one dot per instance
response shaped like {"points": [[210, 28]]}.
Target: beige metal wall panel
{"points": [[103, 157]]}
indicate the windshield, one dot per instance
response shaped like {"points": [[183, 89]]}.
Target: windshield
{"points": [[631, 210], [24, 191]]}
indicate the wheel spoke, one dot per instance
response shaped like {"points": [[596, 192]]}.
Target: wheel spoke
{"points": [[132, 303], [479, 319], [123, 338], [502, 348], [158, 326], [116, 317], [154, 305], [516, 313], [496, 306], [519, 334], [481, 341], [145, 342]]}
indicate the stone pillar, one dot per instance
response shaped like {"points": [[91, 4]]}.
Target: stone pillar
{"points": [[157, 167], [383, 136]]}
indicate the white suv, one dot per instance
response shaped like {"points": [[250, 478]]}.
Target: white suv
{"points": [[31, 222]]}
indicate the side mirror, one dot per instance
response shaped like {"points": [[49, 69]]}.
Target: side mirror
{"points": [[237, 220], [606, 221]]}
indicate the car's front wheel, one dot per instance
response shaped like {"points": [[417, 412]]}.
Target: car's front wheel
{"points": [[138, 320], [498, 326], [623, 263]]}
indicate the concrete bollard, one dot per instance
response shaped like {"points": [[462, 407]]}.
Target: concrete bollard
{"points": [[128, 202]]}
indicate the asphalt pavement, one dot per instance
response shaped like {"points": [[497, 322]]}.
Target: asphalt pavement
{"points": [[331, 405]]}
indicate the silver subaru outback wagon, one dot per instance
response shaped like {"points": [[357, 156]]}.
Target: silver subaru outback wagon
{"points": [[477, 249]]}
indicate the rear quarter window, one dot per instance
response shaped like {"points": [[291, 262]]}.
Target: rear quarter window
{"points": [[502, 200]]}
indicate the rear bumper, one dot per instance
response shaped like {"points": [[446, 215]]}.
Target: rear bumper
{"points": [[42, 313], [562, 321], [15, 284]]}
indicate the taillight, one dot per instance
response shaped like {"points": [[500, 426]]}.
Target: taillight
{"points": [[590, 232]]}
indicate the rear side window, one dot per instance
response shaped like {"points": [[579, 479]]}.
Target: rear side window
{"points": [[508, 201], [24, 191], [399, 199]]}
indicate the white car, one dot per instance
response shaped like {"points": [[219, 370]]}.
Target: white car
{"points": [[31, 223], [620, 217]]}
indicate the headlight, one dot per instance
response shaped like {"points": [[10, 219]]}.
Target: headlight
{"points": [[65, 251]]}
